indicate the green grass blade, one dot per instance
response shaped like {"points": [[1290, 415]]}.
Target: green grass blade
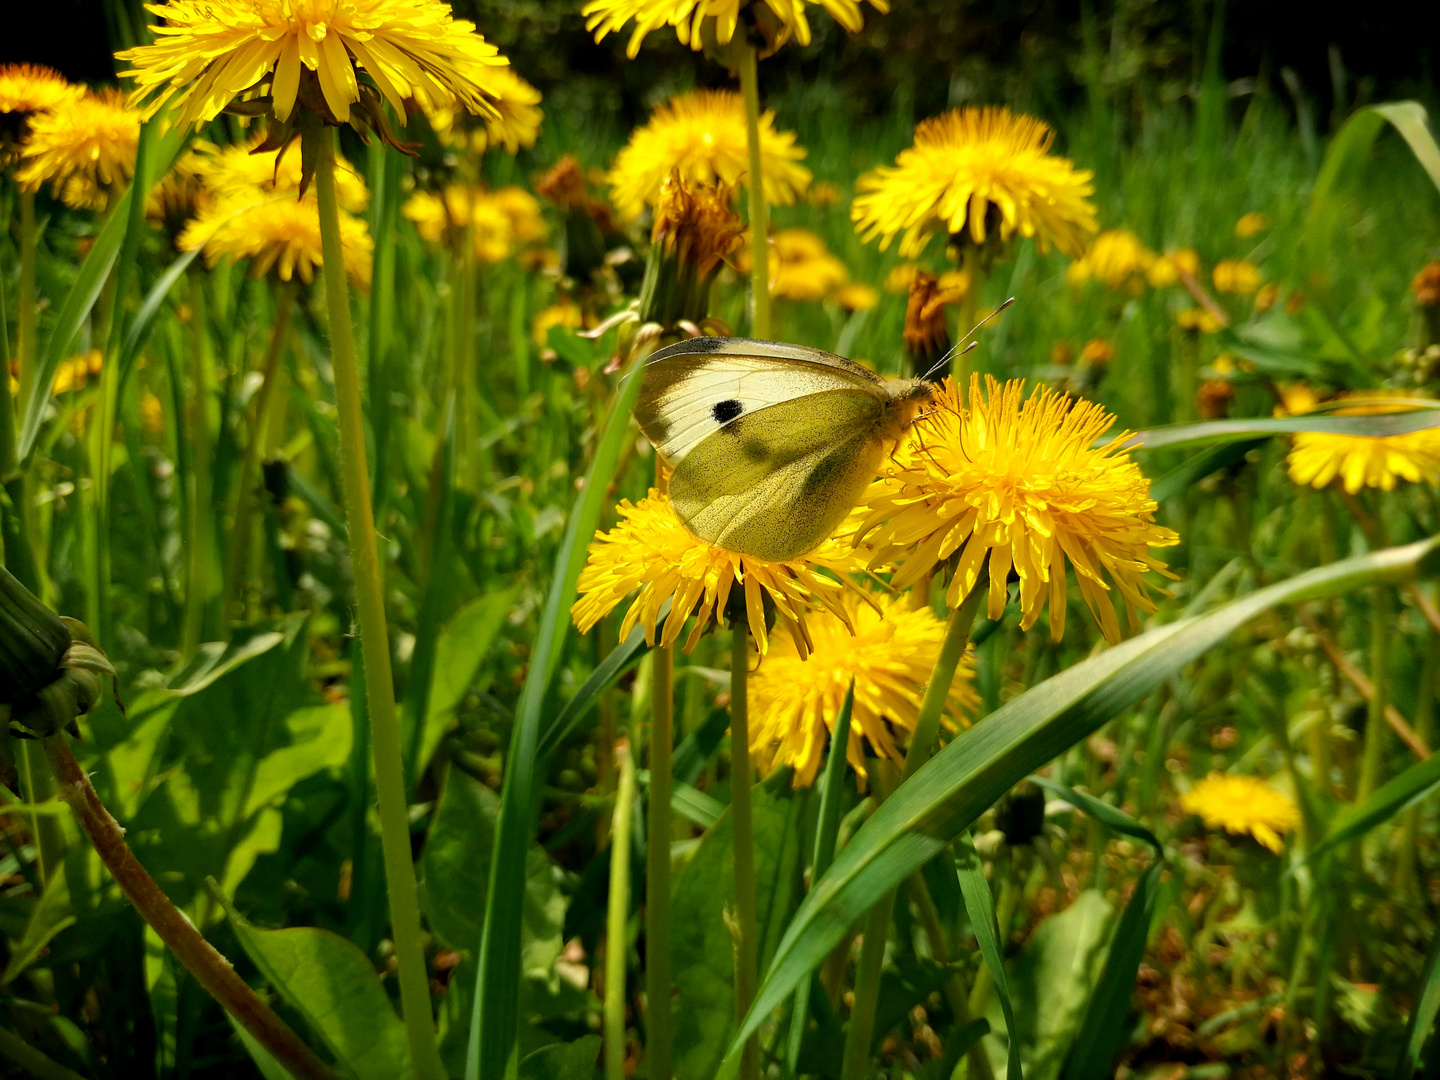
{"points": [[139, 328], [1194, 469], [605, 675], [982, 763], [1422, 1016], [981, 909], [1226, 431], [495, 1016], [1101, 811], [1412, 785]]}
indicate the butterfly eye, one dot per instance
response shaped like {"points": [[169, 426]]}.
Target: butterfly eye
{"points": [[725, 411]]}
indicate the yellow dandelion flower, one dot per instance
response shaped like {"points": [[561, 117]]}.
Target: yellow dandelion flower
{"points": [[702, 134], [825, 193], [502, 221], [1198, 320], [977, 173], [1242, 805], [1236, 276], [801, 266], [652, 552], [244, 172], [1361, 461], [281, 234], [152, 413], [890, 652], [1251, 224], [430, 215], [900, 279], [515, 122], [777, 19], [1097, 351], [83, 147], [857, 296], [1116, 258], [27, 89], [565, 313], [209, 52], [1267, 297], [1166, 269], [1018, 481], [74, 373]]}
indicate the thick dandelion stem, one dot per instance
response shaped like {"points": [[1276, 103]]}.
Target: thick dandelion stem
{"points": [[759, 247], [743, 825], [861, 1030], [657, 865], [198, 527], [200, 958], [1373, 759], [617, 916], [25, 302], [374, 639]]}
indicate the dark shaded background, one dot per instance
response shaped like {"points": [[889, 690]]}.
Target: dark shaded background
{"points": [[927, 53]]}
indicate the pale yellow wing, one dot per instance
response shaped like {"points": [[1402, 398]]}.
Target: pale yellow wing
{"points": [[694, 389], [777, 482]]}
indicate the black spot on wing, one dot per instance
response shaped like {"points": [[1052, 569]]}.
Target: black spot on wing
{"points": [[725, 411]]}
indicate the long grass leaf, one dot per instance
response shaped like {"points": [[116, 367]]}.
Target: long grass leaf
{"points": [[1422, 1016], [1223, 431], [1412, 785], [981, 908], [982, 763], [495, 1016], [1101, 811], [605, 675]]}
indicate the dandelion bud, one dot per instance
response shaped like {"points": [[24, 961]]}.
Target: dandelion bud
{"points": [[695, 230]]}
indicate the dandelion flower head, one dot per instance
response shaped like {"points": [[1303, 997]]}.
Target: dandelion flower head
{"points": [[26, 89], [1116, 258], [977, 173], [514, 123], [1236, 276], [702, 134], [502, 221], [778, 19], [1018, 481], [890, 652], [277, 233], [652, 554], [209, 52], [83, 147], [1242, 805], [801, 266], [1361, 461]]}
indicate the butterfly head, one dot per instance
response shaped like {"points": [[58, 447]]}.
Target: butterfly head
{"points": [[906, 398]]}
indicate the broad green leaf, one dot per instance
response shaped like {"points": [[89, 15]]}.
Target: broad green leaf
{"points": [[1050, 982], [982, 763], [496, 1018], [262, 837], [1101, 811], [455, 867], [216, 659], [51, 914], [1222, 431], [981, 909], [702, 947], [333, 986], [320, 738], [1412, 785], [1103, 1031], [563, 1061], [1422, 1016]]}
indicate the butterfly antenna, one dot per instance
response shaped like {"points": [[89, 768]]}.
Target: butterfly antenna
{"points": [[960, 347]]}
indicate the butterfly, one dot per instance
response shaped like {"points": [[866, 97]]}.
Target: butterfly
{"points": [[770, 445]]}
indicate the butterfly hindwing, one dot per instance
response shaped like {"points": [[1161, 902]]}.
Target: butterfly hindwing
{"points": [[775, 483]]}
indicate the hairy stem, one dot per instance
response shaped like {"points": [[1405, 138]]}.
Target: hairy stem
{"points": [[657, 864], [746, 945], [617, 916], [759, 247]]}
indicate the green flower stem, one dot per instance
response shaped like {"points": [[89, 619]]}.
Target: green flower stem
{"points": [[198, 528], [657, 864], [1373, 759], [1406, 870], [200, 958], [374, 639], [759, 248], [743, 824], [617, 917], [922, 744], [25, 302], [236, 559], [32, 1060]]}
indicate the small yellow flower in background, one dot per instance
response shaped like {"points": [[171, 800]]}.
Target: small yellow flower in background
{"points": [[281, 234], [1360, 461], [972, 171], [801, 266], [562, 313], [74, 373], [652, 552], [1197, 320], [1236, 276], [699, 21], [209, 52], [1242, 805], [857, 296], [152, 413], [1267, 297], [503, 221], [27, 89], [514, 123], [1213, 398], [1019, 482], [901, 278], [1117, 258], [887, 648], [702, 134], [823, 193], [1165, 270], [1097, 351], [83, 147], [1251, 224], [247, 173]]}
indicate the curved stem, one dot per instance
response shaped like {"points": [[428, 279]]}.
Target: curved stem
{"points": [[743, 825], [200, 958], [374, 638], [759, 248], [657, 865], [617, 917]]}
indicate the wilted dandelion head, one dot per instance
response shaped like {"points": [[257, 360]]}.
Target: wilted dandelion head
{"points": [[1017, 482], [890, 652], [696, 222], [650, 553], [698, 22], [1361, 461], [1116, 258], [210, 52], [279, 235], [702, 134], [1242, 805], [83, 147], [977, 174], [514, 122], [927, 326]]}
